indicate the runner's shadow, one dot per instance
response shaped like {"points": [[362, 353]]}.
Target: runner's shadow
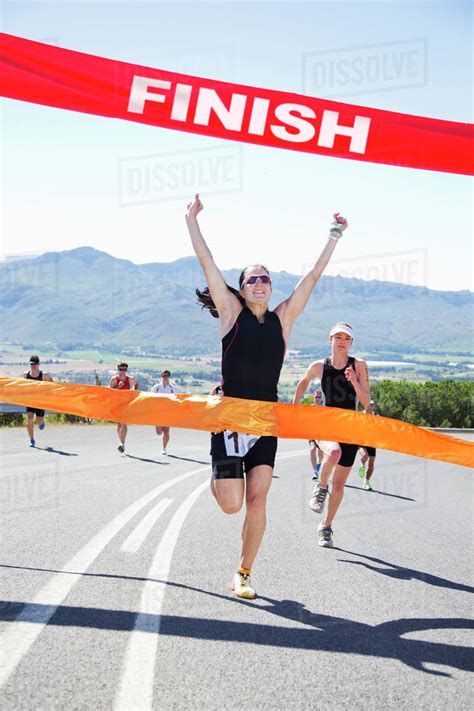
{"points": [[395, 572], [144, 459], [401, 573], [56, 451], [384, 640], [380, 493], [322, 632], [187, 459]]}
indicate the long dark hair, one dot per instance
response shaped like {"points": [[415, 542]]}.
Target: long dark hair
{"points": [[205, 298]]}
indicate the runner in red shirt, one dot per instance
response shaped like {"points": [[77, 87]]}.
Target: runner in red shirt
{"points": [[122, 381]]}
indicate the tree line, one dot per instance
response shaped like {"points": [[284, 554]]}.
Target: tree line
{"points": [[448, 403]]}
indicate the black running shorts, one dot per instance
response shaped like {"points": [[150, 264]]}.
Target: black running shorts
{"points": [[371, 451], [348, 454], [38, 413], [229, 467]]}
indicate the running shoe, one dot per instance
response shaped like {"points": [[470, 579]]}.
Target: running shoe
{"points": [[121, 448], [316, 502], [32, 443], [42, 426], [164, 452], [325, 537], [242, 586], [367, 486], [362, 471]]}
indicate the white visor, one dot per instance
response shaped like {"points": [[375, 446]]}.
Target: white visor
{"points": [[342, 328]]}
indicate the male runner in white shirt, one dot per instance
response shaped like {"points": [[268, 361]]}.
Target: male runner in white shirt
{"points": [[166, 387]]}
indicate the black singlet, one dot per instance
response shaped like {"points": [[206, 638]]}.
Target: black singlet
{"points": [[252, 357], [28, 376], [337, 390]]}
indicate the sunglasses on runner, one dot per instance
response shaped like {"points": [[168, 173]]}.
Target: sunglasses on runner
{"points": [[123, 370], [264, 279]]}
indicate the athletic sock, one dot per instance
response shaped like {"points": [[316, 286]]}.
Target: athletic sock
{"points": [[244, 571]]}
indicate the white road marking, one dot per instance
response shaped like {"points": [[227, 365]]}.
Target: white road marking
{"points": [[138, 672], [136, 683], [139, 534], [21, 634]]}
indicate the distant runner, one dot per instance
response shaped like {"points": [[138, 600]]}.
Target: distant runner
{"points": [[344, 381], [367, 457], [122, 381], [315, 451], [166, 387], [34, 373]]}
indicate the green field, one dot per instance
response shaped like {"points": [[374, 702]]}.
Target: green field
{"points": [[200, 373]]}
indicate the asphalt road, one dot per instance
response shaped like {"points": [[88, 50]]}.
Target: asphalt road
{"points": [[115, 575]]}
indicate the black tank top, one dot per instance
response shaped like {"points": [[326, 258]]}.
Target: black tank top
{"points": [[337, 390], [252, 357], [28, 376]]}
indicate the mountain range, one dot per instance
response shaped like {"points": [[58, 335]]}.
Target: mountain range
{"points": [[84, 297]]}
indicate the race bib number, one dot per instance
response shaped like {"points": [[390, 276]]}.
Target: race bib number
{"points": [[238, 444]]}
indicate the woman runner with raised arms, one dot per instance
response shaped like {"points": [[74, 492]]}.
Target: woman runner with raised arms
{"points": [[254, 341]]}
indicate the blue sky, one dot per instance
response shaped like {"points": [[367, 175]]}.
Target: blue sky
{"points": [[71, 179]]}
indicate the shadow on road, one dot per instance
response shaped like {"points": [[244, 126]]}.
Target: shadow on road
{"points": [[187, 459], [393, 571], [324, 632], [56, 451], [144, 459], [379, 493], [401, 573]]}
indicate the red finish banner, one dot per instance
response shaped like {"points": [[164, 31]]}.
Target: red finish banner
{"points": [[214, 414], [65, 79]]}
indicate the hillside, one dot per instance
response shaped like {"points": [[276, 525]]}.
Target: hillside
{"points": [[83, 296]]}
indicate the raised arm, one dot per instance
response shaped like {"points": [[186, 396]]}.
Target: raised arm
{"points": [[227, 305], [289, 310], [314, 372]]}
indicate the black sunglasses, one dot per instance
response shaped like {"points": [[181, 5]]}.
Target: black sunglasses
{"points": [[264, 278], [123, 370]]}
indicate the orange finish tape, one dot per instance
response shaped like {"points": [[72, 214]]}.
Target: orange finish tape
{"points": [[214, 414]]}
